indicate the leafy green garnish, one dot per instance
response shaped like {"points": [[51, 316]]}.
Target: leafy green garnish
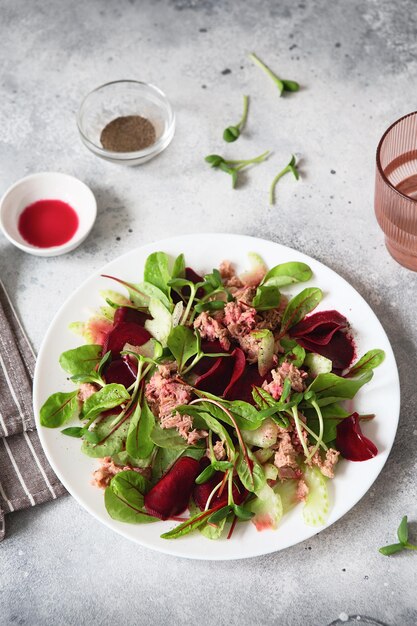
{"points": [[299, 306], [232, 133], [124, 498], [184, 344], [287, 274], [81, 360], [139, 443], [106, 398], [402, 534], [232, 167], [156, 271], [59, 408], [369, 361], [282, 84]]}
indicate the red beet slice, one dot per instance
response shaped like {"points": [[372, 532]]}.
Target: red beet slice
{"points": [[171, 495], [127, 314], [208, 347], [242, 387], [125, 332], [320, 327], [351, 442], [202, 492], [118, 372], [224, 372], [340, 349]]}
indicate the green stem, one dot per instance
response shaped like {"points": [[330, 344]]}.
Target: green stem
{"points": [[193, 291], [410, 546], [294, 411], [241, 163], [321, 430], [267, 71], [230, 500], [274, 184], [244, 117]]}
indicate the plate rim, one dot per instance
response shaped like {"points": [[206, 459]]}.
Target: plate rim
{"points": [[170, 547]]}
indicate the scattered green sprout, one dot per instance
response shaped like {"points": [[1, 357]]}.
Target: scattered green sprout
{"points": [[402, 534], [291, 167], [281, 83], [232, 167], [231, 133]]}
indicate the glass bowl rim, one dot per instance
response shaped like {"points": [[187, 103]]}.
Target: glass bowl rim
{"points": [[378, 157], [156, 147]]}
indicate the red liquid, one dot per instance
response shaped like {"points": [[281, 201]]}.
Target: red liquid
{"points": [[48, 223]]}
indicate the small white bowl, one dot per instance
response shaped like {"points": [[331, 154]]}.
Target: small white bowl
{"points": [[47, 186]]}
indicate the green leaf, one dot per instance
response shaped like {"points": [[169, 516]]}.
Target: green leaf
{"points": [[183, 343], [59, 408], [254, 480], [214, 425], [106, 398], [109, 438], [299, 306], [178, 271], [290, 85], [73, 431], [104, 360], [188, 526], [205, 475], [266, 297], [153, 292], [402, 532], [219, 515], [81, 360], [391, 549], [287, 274], [167, 438], [231, 133], [369, 361], [329, 428], [294, 353], [334, 387], [124, 498], [211, 305], [156, 271], [139, 443], [242, 513], [165, 459]]}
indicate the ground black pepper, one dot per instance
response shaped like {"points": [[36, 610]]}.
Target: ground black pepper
{"points": [[128, 134]]}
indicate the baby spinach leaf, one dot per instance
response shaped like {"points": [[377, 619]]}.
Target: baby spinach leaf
{"points": [[59, 408], [153, 292], [178, 270], [369, 361], [123, 458], [81, 360], [254, 480], [184, 344], [299, 306], [266, 297], [139, 443], [110, 438], [287, 274], [218, 428], [74, 431], [106, 398], [335, 387], [156, 272], [124, 498], [329, 428]]}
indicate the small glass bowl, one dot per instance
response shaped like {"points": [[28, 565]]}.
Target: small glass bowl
{"points": [[120, 98]]}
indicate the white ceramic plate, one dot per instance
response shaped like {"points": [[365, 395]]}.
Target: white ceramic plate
{"points": [[203, 252]]}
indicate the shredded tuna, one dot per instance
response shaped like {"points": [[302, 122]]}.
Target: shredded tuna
{"points": [[239, 319], [302, 490], [184, 425], [270, 320], [163, 393], [244, 295], [219, 451], [86, 390], [286, 454], [229, 276], [286, 370], [327, 464], [211, 328], [103, 475], [288, 473]]}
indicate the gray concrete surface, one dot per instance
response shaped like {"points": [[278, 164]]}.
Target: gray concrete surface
{"points": [[357, 63]]}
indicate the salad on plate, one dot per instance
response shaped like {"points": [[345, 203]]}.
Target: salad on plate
{"points": [[214, 400]]}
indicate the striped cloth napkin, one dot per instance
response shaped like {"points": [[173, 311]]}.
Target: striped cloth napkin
{"points": [[26, 478]]}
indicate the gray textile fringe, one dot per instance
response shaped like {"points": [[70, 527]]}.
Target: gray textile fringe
{"points": [[26, 478]]}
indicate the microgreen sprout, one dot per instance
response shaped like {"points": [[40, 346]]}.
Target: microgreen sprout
{"points": [[291, 167], [231, 133], [281, 83], [232, 167], [402, 534]]}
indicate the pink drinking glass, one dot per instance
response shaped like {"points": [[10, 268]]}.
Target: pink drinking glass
{"points": [[396, 189]]}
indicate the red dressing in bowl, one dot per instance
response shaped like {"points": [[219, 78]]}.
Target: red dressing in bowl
{"points": [[48, 223]]}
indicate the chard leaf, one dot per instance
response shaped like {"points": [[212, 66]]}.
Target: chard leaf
{"points": [[266, 297], [59, 408], [124, 498], [335, 387], [110, 438], [108, 397], [287, 274], [161, 324], [299, 306], [183, 343], [245, 414], [139, 443], [254, 480], [369, 361], [156, 272], [188, 526], [81, 360]]}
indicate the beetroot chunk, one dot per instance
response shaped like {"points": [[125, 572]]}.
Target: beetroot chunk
{"points": [[125, 332], [119, 372], [242, 386], [127, 314], [351, 442], [171, 495], [202, 492]]}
